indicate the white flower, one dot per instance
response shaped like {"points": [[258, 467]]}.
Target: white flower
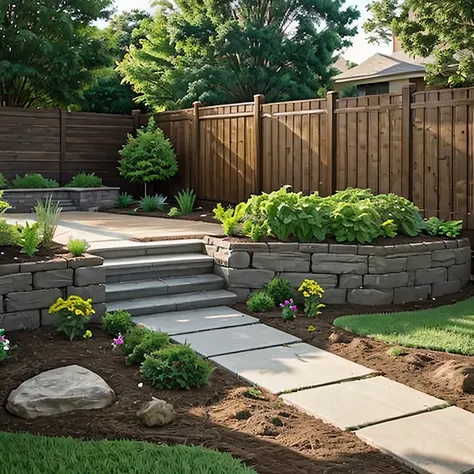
{"points": [[140, 385], [6, 348]]}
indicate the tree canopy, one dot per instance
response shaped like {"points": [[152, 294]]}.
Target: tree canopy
{"points": [[222, 51], [49, 50], [440, 30]]}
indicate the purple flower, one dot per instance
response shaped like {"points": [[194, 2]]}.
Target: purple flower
{"points": [[118, 341], [3, 339], [291, 301], [287, 302], [293, 308], [282, 305]]}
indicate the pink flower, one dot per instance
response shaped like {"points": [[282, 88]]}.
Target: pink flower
{"points": [[282, 305], [287, 302], [293, 308], [118, 341]]}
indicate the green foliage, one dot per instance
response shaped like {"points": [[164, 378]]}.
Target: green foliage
{"points": [[254, 392], [84, 180], [30, 239], [352, 195], [153, 203], [4, 206], [132, 338], [186, 199], [9, 234], [279, 289], [231, 218], [47, 214], [77, 247], [389, 229], [349, 91], [153, 341], [176, 366], [27, 454], [312, 293], [117, 322], [4, 184], [4, 345], [174, 212], [148, 157], [260, 302], [31, 181], [228, 51], [451, 229], [124, 200]]}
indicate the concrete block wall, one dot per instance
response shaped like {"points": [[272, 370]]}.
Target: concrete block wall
{"points": [[27, 290], [349, 273]]}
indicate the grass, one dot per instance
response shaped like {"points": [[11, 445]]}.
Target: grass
{"points": [[447, 328], [27, 454]]}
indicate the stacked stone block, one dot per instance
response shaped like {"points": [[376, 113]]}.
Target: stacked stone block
{"points": [[354, 274], [27, 290]]}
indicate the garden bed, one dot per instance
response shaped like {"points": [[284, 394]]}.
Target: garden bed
{"points": [[200, 215], [45, 254], [206, 416]]}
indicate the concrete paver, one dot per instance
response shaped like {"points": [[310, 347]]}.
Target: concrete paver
{"points": [[280, 369], [437, 442], [357, 403]]}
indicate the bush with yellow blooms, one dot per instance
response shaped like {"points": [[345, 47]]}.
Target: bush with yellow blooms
{"points": [[73, 314]]}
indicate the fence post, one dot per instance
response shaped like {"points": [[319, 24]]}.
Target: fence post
{"points": [[62, 144], [136, 119], [196, 146], [407, 140], [258, 101], [332, 140]]}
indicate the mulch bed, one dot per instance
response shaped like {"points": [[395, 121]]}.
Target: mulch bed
{"points": [[274, 439], [200, 215], [14, 255], [414, 369]]}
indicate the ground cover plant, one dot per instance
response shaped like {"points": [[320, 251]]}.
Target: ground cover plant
{"points": [[260, 301], [124, 200], [280, 289], [446, 328], [352, 215], [186, 199], [25, 454], [153, 203], [32, 181], [77, 247], [117, 322], [84, 180]]}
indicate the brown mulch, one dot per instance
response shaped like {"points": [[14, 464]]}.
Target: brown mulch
{"points": [[273, 439], [415, 368], [199, 215], [162, 239], [49, 254]]}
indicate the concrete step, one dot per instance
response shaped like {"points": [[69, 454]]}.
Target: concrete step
{"points": [[179, 302], [141, 249], [148, 288], [151, 267]]}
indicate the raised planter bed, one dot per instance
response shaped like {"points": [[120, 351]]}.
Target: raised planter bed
{"points": [[83, 199], [350, 273]]}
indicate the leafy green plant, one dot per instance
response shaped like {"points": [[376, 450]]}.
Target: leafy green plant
{"points": [[4, 206], [352, 195], [312, 293], [84, 180], [231, 218], [154, 203], [260, 302], [280, 290], [4, 184], [9, 234], [117, 322], [186, 199], [148, 157], [288, 310], [132, 338], [174, 212], [176, 366], [451, 229], [77, 247], [124, 200], [29, 239], [47, 214], [32, 181], [255, 393], [153, 341], [389, 229]]}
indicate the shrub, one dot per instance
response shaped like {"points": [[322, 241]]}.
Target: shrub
{"points": [[77, 247], [186, 199], [9, 234], [176, 366], [29, 239], [260, 302], [4, 184], [153, 341], [451, 229], [124, 200], [72, 315], [4, 345], [312, 294], [154, 203], [231, 218], [136, 335], [83, 180], [4, 206], [174, 212], [148, 157], [280, 289], [288, 310], [47, 213], [30, 181], [117, 322]]}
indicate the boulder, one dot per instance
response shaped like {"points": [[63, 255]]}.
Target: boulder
{"points": [[458, 374], [60, 391], [156, 413]]}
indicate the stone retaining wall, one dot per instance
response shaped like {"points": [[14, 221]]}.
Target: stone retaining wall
{"points": [[354, 274], [84, 199], [28, 289]]}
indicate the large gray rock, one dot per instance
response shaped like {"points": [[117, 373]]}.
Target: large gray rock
{"points": [[156, 413], [60, 391]]}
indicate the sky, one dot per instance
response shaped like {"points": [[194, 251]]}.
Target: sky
{"points": [[360, 50]]}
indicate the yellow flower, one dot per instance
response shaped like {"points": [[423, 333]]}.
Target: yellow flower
{"points": [[87, 334]]}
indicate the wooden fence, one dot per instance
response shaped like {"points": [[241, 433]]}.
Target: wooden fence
{"points": [[419, 145]]}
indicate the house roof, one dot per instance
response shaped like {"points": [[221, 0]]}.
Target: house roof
{"points": [[381, 65], [341, 64]]}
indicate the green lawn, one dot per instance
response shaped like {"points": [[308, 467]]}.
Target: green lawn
{"points": [[28, 454], [447, 328]]}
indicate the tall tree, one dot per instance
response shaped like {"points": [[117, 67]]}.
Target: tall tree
{"points": [[48, 50], [221, 51], [441, 30]]}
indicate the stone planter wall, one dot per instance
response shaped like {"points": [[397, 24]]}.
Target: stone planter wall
{"points": [[354, 274], [27, 290], [84, 199]]}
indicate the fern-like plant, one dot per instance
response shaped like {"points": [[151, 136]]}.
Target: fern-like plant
{"points": [[30, 239]]}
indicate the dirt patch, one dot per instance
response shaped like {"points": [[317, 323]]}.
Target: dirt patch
{"points": [[50, 254], [413, 367], [174, 237], [199, 215], [271, 437]]}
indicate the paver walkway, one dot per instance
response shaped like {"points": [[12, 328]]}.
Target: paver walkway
{"points": [[418, 429]]}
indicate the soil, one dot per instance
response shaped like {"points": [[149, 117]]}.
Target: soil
{"points": [[174, 237], [203, 214], [49, 254], [264, 433], [414, 367]]}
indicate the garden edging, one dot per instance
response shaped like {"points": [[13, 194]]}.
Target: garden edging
{"points": [[349, 273]]}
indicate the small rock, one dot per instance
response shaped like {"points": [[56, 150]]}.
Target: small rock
{"points": [[359, 344], [277, 421], [418, 360], [338, 338], [243, 415], [458, 374], [156, 413]]}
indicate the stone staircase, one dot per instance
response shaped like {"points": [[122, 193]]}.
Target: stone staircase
{"points": [[160, 277], [67, 205]]}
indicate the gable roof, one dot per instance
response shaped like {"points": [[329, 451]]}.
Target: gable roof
{"points": [[381, 65]]}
